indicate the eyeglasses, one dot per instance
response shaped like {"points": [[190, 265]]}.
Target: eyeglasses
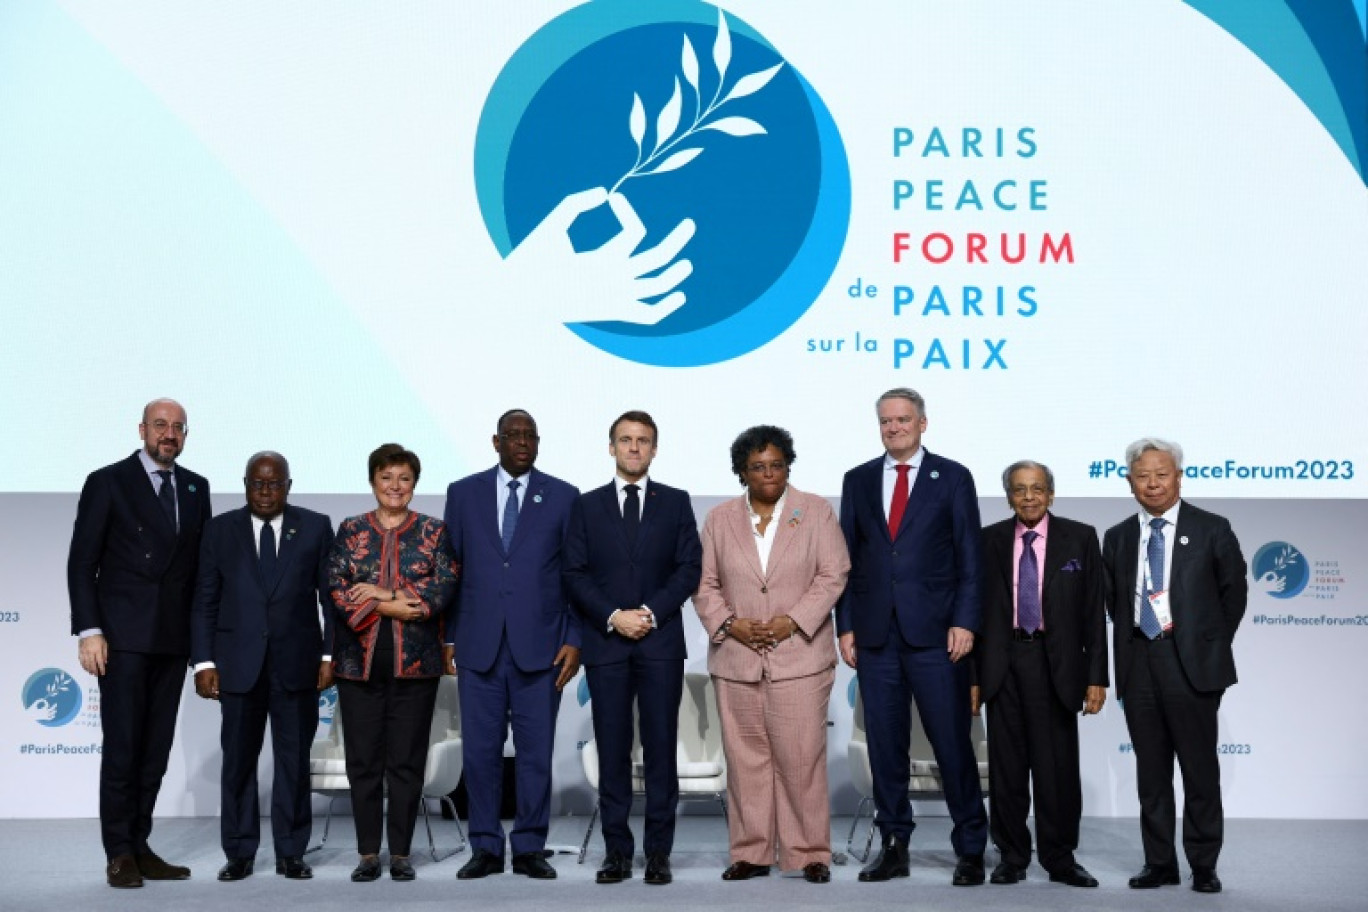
{"points": [[274, 486], [759, 468], [161, 426], [1022, 490], [530, 436]]}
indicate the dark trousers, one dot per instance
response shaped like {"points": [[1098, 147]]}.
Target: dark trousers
{"points": [[655, 687], [891, 676], [1167, 718], [386, 724], [139, 698], [293, 715], [1033, 750], [490, 700]]}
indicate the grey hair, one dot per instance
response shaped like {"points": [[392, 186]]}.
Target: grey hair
{"points": [[1145, 444], [903, 392], [271, 455], [1012, 469]]}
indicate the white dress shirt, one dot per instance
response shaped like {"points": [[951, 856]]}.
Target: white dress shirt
{"points": [[1142, 564]]}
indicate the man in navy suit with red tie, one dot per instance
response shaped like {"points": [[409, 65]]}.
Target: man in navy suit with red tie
{"points": [[131, 577], [514, 641], [632, 559], [260, 645], [908, 615]]}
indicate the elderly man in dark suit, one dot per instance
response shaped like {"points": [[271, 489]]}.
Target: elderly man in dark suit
{"points": [[514, 639], [1041, 657], [632, 559], [910, 613], [131, 578], [1176, 591], [259, 646]]}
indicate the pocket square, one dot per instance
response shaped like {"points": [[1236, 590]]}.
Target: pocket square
{"points": [[1072, 566]]}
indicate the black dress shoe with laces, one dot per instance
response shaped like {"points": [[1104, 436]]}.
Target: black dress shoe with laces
{"points": [[236, 869], [1204, 880], [1075, 876], [367, 870], [482, 863], [401, 868], [658, 869], [533, 865], [968, 871], [292, 867], [1007, 873], [1154, 876], [616, 868], [744, 870], [122, 873], [892, 861]]}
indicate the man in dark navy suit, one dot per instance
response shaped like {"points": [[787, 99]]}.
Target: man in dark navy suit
{"points": [[514, 640], [911, 609], [260, 648], [632, 559], [131, 578]]}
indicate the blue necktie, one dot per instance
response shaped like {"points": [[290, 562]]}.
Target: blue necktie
{"points": [[1028, 585], [167, 496], [266, 557], [1154, 552], [510, 519]]}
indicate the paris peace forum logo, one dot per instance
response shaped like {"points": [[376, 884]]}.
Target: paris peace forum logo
{"points": [[1280, 570], [669, 160], [51, 697]]}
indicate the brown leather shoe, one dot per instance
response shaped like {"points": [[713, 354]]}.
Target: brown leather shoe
{"points": [[122, 873], [153, 868]]}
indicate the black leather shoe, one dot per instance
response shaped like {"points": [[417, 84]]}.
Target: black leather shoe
{"points": [[816, 872], [1153, 876], [968, 871], [616, 868], [293, 867], [533, 865], [401, 868], [122, 873], [1075, 876], [236, 869], [367, 870], [1204, 880], [152, 867], [658, 870], [1007, 873], [892, 861], [744, 870], [482, 863]]}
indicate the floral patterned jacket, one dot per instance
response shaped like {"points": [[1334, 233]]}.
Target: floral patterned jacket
{"points": [[412, 558]]}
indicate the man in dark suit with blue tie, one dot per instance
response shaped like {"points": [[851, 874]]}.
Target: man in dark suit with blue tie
{"points": [[131, 578], [909, 614], [632, 559], [514, 641], [260, 645], [1176, 592]]}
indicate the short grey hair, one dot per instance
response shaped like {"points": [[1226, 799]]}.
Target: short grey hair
{"points": [[903, 392], [1145, 444], [1020, 464], [270, 455]]}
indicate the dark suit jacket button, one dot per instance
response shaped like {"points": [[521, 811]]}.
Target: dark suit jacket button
{"points": [[895, 553], [148, 555]]}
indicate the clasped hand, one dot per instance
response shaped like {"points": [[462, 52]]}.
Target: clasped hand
{"points": [[762, 636]]}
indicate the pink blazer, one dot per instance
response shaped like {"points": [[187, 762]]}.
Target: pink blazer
{"points": [[807, 571]]}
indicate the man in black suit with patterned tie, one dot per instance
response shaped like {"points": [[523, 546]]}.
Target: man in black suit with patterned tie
{"points": [[131, 577], [632, 558], [260, 646], [1176, 593]]}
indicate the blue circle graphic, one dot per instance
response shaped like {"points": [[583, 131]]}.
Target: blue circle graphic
{"points": [[1280, 570], [686, 116], [51, 697]]}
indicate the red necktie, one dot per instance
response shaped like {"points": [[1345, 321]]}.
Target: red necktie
{"points": [[899, 505]]}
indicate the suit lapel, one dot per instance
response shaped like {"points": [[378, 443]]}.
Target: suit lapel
{"points": [[145, 500], [612, 513], [785, 533], [287, 548], [487, 507], [1183, 530], [530, 511], [923, 489], [1057, 545], [738, 519], [873, 495], [650, 506], [1127, 567], [1003, 540]]}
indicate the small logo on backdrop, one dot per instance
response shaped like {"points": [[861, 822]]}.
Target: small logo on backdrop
{"points": [[662, 180], [853, 690], [582, 692], [1280, 570], [51, 697], [327, 705]]}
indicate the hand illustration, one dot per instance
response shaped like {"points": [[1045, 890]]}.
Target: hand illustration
{"points": [[614, 281], [41, 710]]}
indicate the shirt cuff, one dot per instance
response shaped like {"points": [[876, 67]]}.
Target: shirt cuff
{"points": [[93, 631], [202, 666], [610, 619], [647, 609], [326, 659]]}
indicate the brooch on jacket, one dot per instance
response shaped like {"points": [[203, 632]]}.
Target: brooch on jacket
{"points": [[1072, 566], [795, 519]]}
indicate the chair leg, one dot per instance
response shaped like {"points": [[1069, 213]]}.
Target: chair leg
{"points": [[869, 839], [859, 815], [327, 824], [446, 799], [722, 800], [432, 845], [588, 833]]}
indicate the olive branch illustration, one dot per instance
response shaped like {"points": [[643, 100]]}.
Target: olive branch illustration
{"points": [[665, 154], [1285, 559]]}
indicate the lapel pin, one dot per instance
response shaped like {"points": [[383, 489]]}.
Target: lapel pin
{"points": [[536, 498], [935, 474], [191, 489], [1182, 540]]}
